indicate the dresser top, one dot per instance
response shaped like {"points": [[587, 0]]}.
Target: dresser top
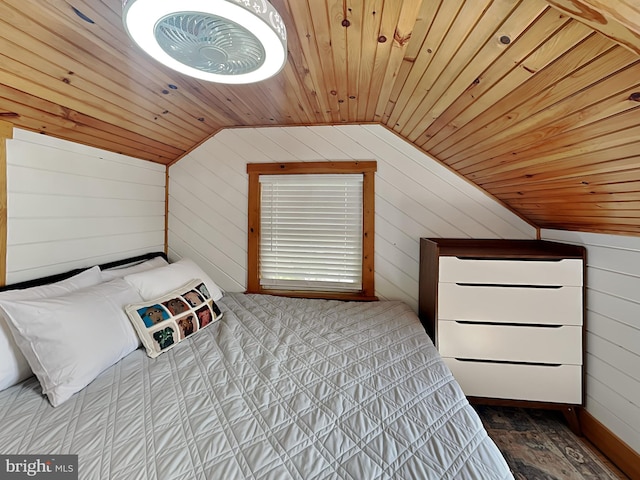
{"points": [[500, 248]]}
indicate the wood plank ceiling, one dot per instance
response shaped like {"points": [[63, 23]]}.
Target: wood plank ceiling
{"points": [[537, 102]]}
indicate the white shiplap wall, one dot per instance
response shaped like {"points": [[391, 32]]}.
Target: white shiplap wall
{"points": [[613, 329], [415, 196], [71, 206]]}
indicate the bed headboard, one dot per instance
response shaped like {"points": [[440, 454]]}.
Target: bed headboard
{"points": [[61, 276]]}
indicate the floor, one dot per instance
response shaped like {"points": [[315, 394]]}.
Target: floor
{"points": [[538, 445]]}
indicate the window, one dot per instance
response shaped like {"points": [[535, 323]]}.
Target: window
{"points": [[311, 229]]}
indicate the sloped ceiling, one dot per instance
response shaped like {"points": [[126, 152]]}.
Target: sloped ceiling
{"points": [[535, 101]]}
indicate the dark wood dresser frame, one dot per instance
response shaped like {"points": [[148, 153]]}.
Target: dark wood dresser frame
{"points": [[431, 249]]}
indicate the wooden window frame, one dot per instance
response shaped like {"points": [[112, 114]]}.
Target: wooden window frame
{"points": [[367, 169], [6, 133]]}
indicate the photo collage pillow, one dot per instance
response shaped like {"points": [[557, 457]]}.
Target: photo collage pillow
{"points": [[164, 322]]}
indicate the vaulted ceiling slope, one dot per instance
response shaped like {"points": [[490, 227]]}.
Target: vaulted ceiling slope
{"points": [[537, 102]]}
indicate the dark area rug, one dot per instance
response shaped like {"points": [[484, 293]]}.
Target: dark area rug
{"points": [[538, 445]]}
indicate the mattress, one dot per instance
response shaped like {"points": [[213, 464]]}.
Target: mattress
{"points": [[279, 388]]}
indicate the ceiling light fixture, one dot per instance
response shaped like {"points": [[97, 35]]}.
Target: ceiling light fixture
{"points": [[226, 41]]}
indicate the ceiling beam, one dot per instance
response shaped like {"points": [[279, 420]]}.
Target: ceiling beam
{"points": [[615, 19]]}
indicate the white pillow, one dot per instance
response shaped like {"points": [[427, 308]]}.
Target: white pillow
{"points": [[119, 272], [159, 281], [13, 366], [69, 340]]}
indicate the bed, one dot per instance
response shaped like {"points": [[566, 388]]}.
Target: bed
{"points": [[275, 388]]}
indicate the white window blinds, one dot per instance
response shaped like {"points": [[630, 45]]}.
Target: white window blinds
{"points": [[311, 232]]}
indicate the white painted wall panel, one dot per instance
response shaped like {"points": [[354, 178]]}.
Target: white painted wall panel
{"points": [[415, 196], [37, 205], [199, 195], [613, 326], [601, 369], [71, 206], [415, 212], [51, 154], [58, 229]]}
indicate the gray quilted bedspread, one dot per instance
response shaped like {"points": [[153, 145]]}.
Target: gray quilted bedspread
{"points": [[277, 389]]}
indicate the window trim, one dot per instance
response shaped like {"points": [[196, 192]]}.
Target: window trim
{"points": [[367, 169]]}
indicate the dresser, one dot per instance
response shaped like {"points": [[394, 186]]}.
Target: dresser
{"points": [[507, 317]]}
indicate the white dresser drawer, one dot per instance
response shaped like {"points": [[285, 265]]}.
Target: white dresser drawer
{"points": [[557, 306], [567, 271], [512, 343], [562, 384]]}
